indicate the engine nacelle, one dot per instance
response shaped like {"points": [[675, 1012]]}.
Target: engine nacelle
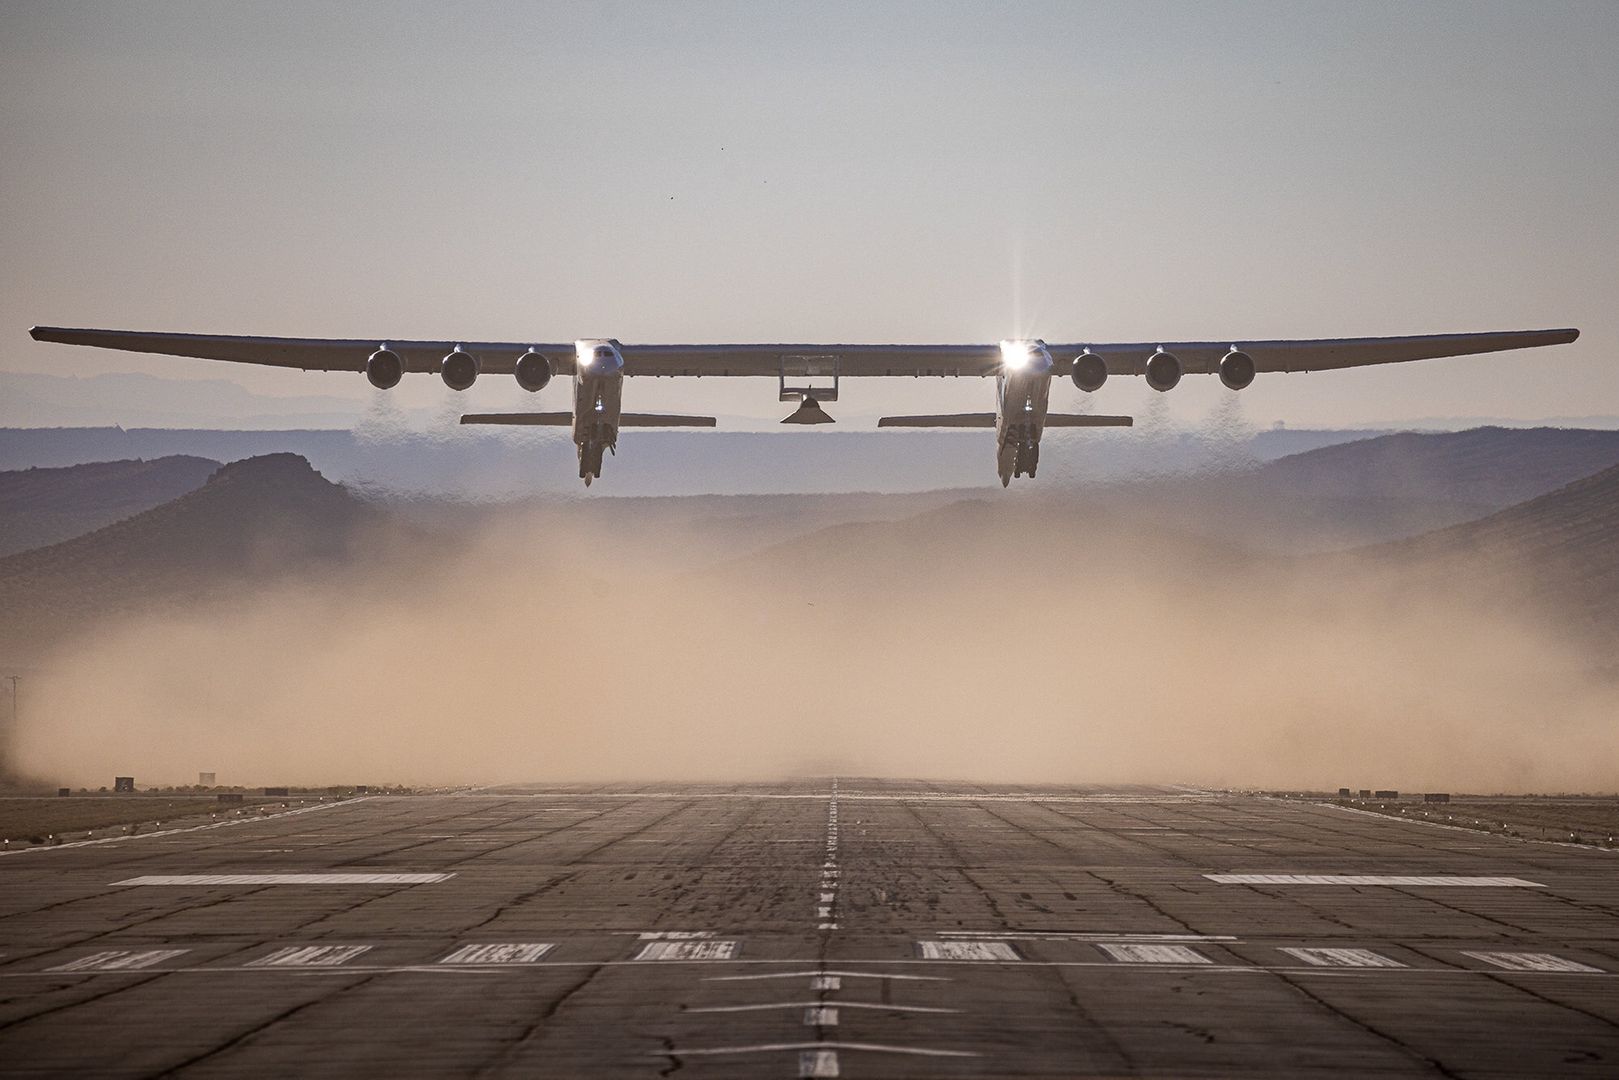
{"points": [[1090, 371], [384, 369], [1236, 369], [533, 371], [459, 369], [1163, 370]]}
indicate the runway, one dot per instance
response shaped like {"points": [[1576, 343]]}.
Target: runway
{"points": [[848, 927]]}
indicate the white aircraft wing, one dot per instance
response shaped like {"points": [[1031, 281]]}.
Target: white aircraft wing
{"points": [[1320, 354], [1197, 357]]}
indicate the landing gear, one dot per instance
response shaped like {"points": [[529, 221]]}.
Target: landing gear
{"points": [[1018, 458], [590, 461]]}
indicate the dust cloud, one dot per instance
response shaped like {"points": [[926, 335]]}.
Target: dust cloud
{"points": [[1014, 640]]}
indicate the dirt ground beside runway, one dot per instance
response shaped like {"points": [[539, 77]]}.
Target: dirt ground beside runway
{"points": [[1590, 819], [71, 818]]}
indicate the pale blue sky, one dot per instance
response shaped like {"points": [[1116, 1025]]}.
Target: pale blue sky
{"points": [[832, 172]]}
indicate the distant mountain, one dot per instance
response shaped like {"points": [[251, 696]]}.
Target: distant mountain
{"points": [[252, 521], [1561, 548], [1489, 468], [46, 506]]}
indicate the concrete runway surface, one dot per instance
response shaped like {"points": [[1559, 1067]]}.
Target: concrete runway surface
{"points": [[856, 928]]}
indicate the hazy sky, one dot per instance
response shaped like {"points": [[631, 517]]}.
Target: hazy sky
{"points": [[825, 171]]}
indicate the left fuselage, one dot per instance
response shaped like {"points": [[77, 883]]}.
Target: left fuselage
{"points": [[1023, 391]]}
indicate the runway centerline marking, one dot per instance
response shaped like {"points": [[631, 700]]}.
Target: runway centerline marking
{"points": [[688, 950], [1532, 961], [821, 1016], [817, 1063], [503, 953], [1353, 958], [310, 956], [286, 879], [1154, 954], [1373, 879], [120, 960], [968, 950]]}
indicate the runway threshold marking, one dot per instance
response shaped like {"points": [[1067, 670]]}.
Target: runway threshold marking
{"points": [[688, 950], [1354, 958], [310, 956], [968, 950], [120, 960], [504, 953], [286, 879], [1154, 954], [1373, 879], [1531, 961]]}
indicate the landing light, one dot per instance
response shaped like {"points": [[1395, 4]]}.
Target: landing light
{"points": [[1016, 355]]}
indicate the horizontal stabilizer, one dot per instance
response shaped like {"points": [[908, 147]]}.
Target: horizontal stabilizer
{"points": [[1061, 420], [987, 420], [968, 419], [547, 419], [640, 419]]}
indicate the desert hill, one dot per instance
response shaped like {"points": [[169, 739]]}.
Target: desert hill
{"points": [[1560, 549], [1489, 468], [252, 520], [46, 506]]}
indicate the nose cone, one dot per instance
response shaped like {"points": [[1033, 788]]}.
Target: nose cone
{"points": [[598, 358]]}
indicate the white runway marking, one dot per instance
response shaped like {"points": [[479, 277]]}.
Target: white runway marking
{"points": [[675, 935], [507, 953], [1371, 879], [819, 1047], [873, 1006], [967, 950], [820, 1016], [310, 956], [822, 974], [1154, 954], [286, 879], [1531, 961], [1066, 935], [817, 1063], [826, 982], [688, 950], [1359, 958], [120, 960]]}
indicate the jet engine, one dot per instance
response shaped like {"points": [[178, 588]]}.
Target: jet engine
{"points": [[459, 369], [384, 368], [533, 371], [1236, 369], [1090, 371], [1163, 371]]}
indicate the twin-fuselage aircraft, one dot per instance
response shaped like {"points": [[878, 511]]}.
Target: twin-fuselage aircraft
{"points": [[808, 374]]}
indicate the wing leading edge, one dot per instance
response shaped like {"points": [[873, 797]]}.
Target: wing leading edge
{"points": [[500, 358]]}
